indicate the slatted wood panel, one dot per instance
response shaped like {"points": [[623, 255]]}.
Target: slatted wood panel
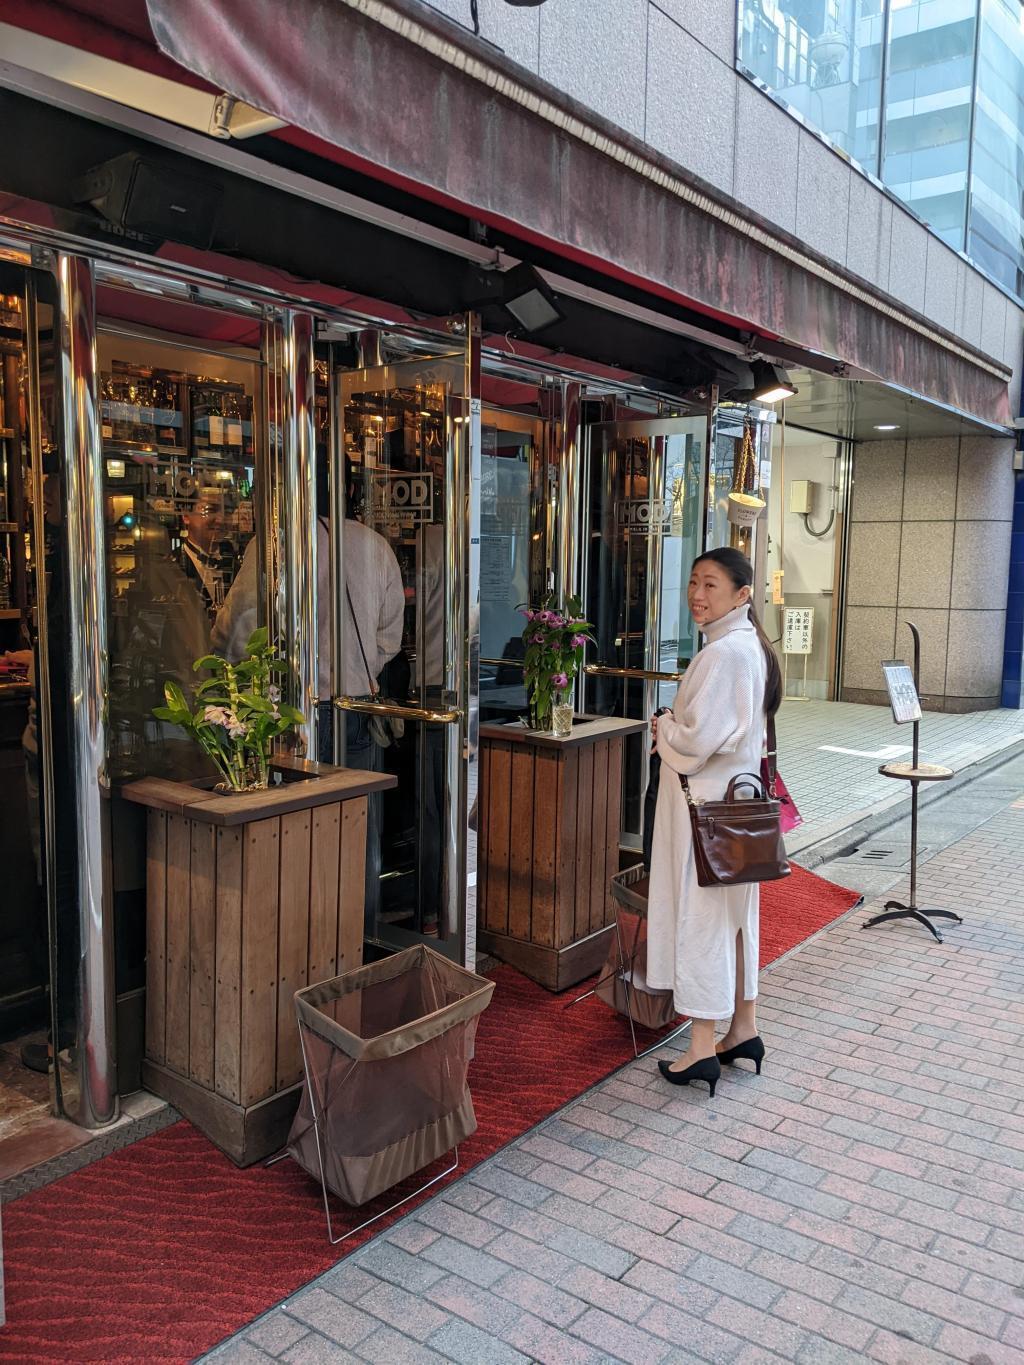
{"points": [[549, 840], [494, 901], [520, 842], [293, 940], [202, 952], [352, 879], [178, 963], [239, 918], [586, 837], [565, 887], [545, 848], [228, 1006], [323, 895], [156, 933]]}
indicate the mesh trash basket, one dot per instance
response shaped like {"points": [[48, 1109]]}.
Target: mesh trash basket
{"points": [[386, 1050], [623, 980]]}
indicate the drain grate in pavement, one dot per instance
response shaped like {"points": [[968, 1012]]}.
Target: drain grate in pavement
{"points": [[881, 855]]}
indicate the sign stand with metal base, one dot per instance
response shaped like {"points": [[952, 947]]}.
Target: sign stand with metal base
{"points": [[903, 694]]}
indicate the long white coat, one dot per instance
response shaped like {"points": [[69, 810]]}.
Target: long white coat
{"points": [[714, 732]]}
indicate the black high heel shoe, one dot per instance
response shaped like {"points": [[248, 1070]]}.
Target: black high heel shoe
{"points": [[752, 1050], [707, 1069]]}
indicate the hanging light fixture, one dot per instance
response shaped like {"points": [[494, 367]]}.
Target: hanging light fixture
{"points": [[771, 383]]}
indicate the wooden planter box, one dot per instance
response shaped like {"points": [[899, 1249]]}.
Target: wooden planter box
{"points": [[549, 845], [249, 898]]}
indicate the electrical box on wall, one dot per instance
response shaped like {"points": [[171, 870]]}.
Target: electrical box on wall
{"points": [[801, 496]]}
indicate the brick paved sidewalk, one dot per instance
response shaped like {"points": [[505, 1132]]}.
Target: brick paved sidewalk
{"points": [[862, 1199]]}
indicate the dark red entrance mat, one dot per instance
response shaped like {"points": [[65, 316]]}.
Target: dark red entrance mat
{"points": [[158, 1252]]}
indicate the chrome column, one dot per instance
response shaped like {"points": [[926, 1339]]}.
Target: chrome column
{"points": [[462, 642], [339, 511], [570, 505], [96, 1101], [298, 504]]}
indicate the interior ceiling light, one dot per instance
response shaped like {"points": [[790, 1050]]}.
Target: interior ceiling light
{"points": [[529, 300], [887, 426], [771, 383]]}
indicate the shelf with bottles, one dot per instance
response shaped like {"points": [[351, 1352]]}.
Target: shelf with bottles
{"points": [[220, 414], [141, 408]]}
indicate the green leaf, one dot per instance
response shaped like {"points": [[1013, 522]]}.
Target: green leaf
{"points": [[208, 661], [255, 703], [258, 640], [175, 696], [290, 713]]}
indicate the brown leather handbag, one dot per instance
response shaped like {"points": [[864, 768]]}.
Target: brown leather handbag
{"points": [[739, 840]]}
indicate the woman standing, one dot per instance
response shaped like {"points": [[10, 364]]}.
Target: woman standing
{"points": [[703, 940]]}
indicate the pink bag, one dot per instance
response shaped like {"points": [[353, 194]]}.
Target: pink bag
{"points": [[789, 816]]}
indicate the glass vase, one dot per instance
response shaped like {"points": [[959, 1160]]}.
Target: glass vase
{"points": [[535, 722], [561, 719]]}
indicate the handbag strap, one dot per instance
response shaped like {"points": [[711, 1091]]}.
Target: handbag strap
{"points": [[374, 689], [369, 676], [771, 754]]}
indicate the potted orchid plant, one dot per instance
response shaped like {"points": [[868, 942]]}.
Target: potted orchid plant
{"points": [[555, 637], [238, 713]]}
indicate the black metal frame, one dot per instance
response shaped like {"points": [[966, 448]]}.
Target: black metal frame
{"points": [[911, 910]]}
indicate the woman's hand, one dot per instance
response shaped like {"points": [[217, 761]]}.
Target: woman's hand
{"points": [[654, 726]]}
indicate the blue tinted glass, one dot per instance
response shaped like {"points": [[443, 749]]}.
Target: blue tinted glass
{"points": [[824, 58], [927, 116], [995, 230]]}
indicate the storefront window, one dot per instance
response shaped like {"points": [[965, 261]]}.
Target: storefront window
{"points": [[824, 58], [179, 448], [996, 227]]}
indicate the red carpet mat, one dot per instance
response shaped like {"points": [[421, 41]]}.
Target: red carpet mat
{"points": [[160, 1251]]}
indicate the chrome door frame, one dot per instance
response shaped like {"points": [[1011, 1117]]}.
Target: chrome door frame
{"points": [[460, 711], [96, 1103]]}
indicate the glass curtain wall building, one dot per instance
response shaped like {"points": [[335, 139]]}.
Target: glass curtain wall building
{"points": [[925, 95]]}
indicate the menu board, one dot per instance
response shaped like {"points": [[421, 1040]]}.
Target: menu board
{"points": [[903, 698]]}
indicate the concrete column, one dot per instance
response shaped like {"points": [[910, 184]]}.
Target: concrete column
{"points": [[930, 542]]}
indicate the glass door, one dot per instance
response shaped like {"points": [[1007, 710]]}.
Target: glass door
{"points": [[646, 485], [407, 621]]}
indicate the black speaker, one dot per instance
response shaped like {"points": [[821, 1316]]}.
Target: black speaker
{"points": [[153, 197]]}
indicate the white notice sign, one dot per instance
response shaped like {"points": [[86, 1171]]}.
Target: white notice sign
{"points": [[797, 630]]}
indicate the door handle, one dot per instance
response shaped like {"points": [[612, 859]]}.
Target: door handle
{"points": [[652, 675], [386, 708]]}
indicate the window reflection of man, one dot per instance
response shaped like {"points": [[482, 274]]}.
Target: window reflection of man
{"points": [[203, 526]]}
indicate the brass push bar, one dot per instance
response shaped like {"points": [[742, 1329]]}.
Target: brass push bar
{"points": [[384, 708], [604, 671]]}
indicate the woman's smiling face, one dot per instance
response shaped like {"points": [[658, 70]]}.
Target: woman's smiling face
{"points": [[712, 594]]}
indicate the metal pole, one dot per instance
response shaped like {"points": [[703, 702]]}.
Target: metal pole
{"points": [[298, 503], [462, 493], [916, 757], [96, 1102], [567, 583], [339, 510]]}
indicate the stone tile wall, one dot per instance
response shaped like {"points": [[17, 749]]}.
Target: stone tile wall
{"points": [[930, 532]]}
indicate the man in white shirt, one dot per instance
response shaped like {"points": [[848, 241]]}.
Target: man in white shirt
{"points": [[375, 620]]}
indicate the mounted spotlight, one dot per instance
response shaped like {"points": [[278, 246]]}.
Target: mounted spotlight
{"points": [[771, 383], [529, 299]]}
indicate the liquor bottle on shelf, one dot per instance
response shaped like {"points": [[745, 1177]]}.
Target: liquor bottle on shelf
{"points": [[5, 583]]}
